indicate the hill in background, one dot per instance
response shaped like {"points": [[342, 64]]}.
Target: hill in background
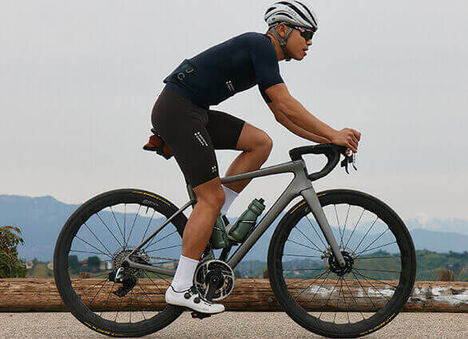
{"points": [[41, 219]]}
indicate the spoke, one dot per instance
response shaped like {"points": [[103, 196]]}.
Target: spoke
{"points": [[318, 277], [77, 251], [147, 226], [97, 238], [328, 273], [144, 272], [374, 248], [105, 281], [130, 311], [133, 225], [92, 287], [125, 223], [107, 299], [295, 242], [344, 226], [151, 243], [303, 269], [338, 223], [365, 258], [365, 235], [359, 282], [164, 248], [141, 308], [365, 269], [355, 226], [118, 310], [369, 278], [374, 241], [318, 235], [97, 249], [146, 295], [344, 300], [352, 296], [300, 255], [120, 244], [337, 299], [329, 297], [117, 223], [372, 285]]}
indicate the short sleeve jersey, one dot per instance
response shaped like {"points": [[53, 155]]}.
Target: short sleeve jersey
{"points": [[226, 69]]}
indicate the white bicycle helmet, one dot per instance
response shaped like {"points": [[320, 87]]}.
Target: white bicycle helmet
{"points": [[291, 12]]}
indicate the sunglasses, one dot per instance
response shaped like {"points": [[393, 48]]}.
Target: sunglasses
{"points": [[305, 33]]}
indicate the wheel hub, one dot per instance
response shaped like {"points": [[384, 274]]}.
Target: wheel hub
{"points": [[335, 266]]}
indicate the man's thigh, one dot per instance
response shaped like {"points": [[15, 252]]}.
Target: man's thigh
{"points": [[224, 129]]}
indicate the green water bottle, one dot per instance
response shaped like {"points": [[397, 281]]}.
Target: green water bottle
{"points": [[247, 220], [219, 237]]}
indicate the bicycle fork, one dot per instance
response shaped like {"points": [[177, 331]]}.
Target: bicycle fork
{"points": [[311, 197]]}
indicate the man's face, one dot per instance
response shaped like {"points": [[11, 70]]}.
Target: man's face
{"points": [[297, 45]]}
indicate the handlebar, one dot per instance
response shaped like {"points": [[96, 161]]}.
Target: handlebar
{"points": [[331, 151]]}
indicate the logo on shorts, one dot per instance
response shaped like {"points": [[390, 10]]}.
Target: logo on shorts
{"points": [[200, 139], [214, 169]]}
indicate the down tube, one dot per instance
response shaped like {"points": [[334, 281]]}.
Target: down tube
{"points": [[289, 194]]}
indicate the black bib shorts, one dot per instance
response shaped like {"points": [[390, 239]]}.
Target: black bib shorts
{"points": [[193, 133]]}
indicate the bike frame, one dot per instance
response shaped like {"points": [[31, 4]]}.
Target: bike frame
{"points": [[300, 185]]}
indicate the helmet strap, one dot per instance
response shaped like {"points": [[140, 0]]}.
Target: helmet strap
{"points": [[283, 42]]}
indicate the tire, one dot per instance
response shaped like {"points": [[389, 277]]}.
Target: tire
{"points": [[383, 279], [84, 234]]}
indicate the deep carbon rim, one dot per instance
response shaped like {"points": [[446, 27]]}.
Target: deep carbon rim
{"points": [[369, 291]]}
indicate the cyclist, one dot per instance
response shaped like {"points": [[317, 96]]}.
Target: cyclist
{"points": [[183, 118]]}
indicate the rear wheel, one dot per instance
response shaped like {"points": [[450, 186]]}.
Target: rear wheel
{"points": [[342, 302], [91, 248]]}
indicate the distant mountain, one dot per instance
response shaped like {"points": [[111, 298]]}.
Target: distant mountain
{"points": [[452, 225], [41, 219]]}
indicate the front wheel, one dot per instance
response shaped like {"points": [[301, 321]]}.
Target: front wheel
{"points": [[91, 249], [348, 301]]}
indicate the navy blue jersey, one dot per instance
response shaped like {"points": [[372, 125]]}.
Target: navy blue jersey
{"points": [[226, 69]]}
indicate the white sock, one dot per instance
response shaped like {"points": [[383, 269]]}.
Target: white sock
{"points": [[183, 278], [230, 196]]}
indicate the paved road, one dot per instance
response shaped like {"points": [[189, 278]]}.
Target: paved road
{"points": [[233, 325]]}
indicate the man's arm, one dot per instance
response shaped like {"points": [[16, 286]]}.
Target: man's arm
{"points": [[284, 104], [299, 131]]}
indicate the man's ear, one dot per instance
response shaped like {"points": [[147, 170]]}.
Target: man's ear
{"points": [[282, 30]]}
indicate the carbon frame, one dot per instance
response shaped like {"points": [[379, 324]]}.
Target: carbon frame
{"points": [[300, 185]]}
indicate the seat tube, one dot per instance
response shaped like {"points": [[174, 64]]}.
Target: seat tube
{"points": [[311, 197]]}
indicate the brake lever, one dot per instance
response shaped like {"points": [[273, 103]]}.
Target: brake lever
{"points": [[349, 159]]}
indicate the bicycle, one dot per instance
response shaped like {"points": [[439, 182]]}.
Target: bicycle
{"points": [[317, 256]]}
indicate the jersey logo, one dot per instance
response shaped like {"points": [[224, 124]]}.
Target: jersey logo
{"points": [[230, 86], [200, 139]]}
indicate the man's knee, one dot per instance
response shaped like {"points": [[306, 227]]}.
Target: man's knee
{"points": [[211, 193]]}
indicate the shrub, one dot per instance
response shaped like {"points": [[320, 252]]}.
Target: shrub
{"points": [[10, 265]]}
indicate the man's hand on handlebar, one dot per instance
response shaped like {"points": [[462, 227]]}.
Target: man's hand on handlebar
{"points": [[347, 137]]}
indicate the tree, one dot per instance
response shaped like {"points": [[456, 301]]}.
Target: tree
{"points": [[10, 265], [73, 263], [94, 263]]}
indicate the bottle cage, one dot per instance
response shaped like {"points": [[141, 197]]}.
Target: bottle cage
{"points": [[157, 144]]}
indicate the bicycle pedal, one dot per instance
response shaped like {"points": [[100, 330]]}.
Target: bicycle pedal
{"points": [[200, 315]]}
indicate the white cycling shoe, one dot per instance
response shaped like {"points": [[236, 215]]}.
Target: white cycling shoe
{"points": [[191, 299]]}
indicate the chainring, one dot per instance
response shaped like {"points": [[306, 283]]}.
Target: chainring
{"points": [[206, 270]]}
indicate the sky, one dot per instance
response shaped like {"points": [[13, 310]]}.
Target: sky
{"points": [[78, 81]]}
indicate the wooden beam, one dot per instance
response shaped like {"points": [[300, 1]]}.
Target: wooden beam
{"points": [[41, 295]]}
